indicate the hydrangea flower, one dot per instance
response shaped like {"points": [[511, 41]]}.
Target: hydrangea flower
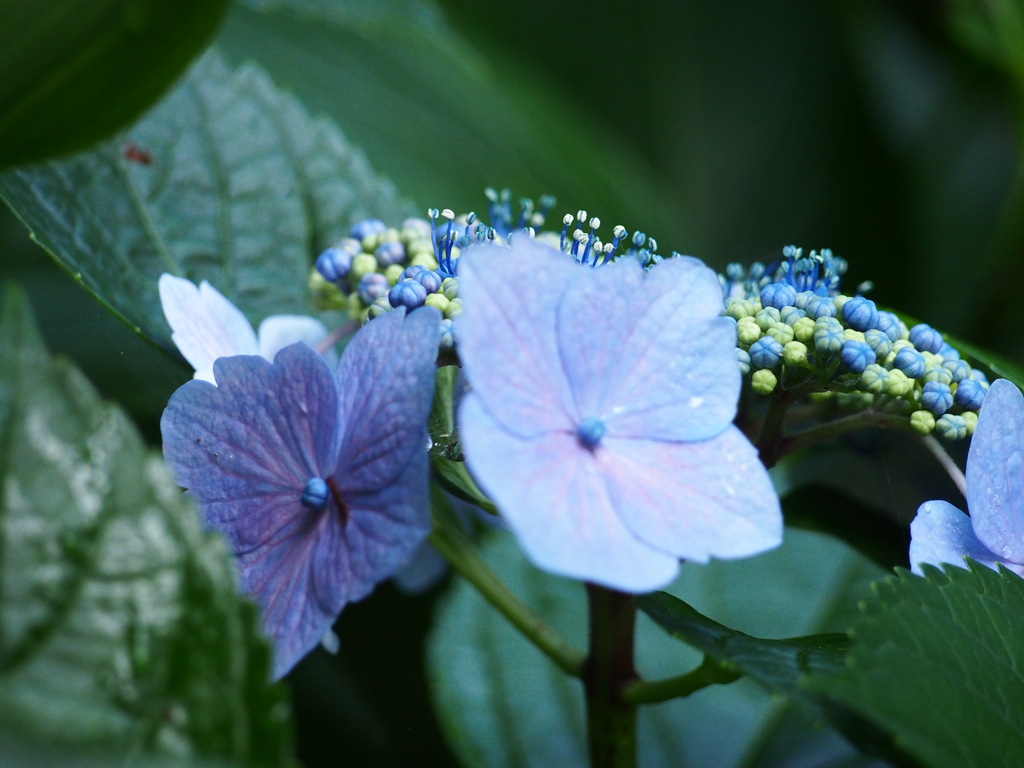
{"points": [[317, 478], [600, 413], [994, 533], [205, 326]]}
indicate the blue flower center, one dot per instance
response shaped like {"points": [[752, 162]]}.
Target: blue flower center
{"points": [[314, 494], [590, 431]]}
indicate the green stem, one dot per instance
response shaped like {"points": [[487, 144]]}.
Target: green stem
{"points": [[607, 673], [710, 672], [770, 438], [463, 556], [813, 435], [947, 463]]}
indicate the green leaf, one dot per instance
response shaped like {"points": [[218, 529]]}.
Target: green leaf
{"points": [[776, 664], [121, 631], [72, 73], [936, 663], [238, 186], [504, 704]]}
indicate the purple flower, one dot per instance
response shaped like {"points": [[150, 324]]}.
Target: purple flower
{"points": [[600, 414], [994, 533], [317, 479], [205, 326]]}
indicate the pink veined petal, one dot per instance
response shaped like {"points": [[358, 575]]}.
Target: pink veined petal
{"points": [[278, 331], [694, 500], [648, 352], [506, 332], [995, 472], [204, 324], [942, 534], [386, 385], [550, 491]]}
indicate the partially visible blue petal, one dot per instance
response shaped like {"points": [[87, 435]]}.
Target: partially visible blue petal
{"points": [[386, 385], [555, 500], [505, 333], [941, 533], [695, 500], [204, 324], [648, 352], [995, 472]]}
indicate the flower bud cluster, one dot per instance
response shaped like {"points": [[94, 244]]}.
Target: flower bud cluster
{"points": [[378, 268], [863, 355]]}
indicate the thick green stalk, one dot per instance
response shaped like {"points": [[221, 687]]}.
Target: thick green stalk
{"points": [[607, 673]]}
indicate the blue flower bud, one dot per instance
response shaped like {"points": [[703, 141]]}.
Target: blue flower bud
{"points": [[744, 360], [828, 336], [314, 494], [820, 306], [950, 426], [391, 252], [856, 355], [910, 361], [936, 397], [978, 375], [446, 334], [949, 352], [803, 298], [790, 315], [889, 324], [960, 369], [778, 295], [363, 229], [926, 338], [766, 352], [411, 271], [860, 313], [333, 264], [970, 394], [408, 293], [430, 280], [372, 286]]}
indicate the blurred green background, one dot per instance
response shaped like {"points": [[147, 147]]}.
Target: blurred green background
{"points": [[887, 131]]}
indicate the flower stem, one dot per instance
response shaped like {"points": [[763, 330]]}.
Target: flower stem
{"points": [[461, 553], [710, 672], [947, 463], [830, 429], [607, 673], [769, 441]]}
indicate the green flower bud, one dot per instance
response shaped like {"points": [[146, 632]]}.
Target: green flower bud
{"points": [[450, 288], [922, 422], [379, 307], [763, 381], [900, 384], [851, 335], [803, 330], [970, 421], [453, 309], [393, 273], [875, 379], [794, 353], [438, 301], [425, 259], [781, 332], [747, 331], [363, 264], [767, 317]]}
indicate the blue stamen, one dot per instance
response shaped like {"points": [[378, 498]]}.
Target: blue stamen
{"points": [[314, 494], [590, 431]]}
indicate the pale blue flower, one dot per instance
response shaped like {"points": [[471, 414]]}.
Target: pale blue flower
{"points": [[994, 533], [205, 326], [316, 478], [600, 413]]}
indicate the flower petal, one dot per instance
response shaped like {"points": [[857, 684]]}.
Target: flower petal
{"points": [[995, 472], [278, 331], [204, 324], [266, 428], [386, 385], [941, 533], [506, 332], [696, 500], [649, 353], [553, 496]]}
